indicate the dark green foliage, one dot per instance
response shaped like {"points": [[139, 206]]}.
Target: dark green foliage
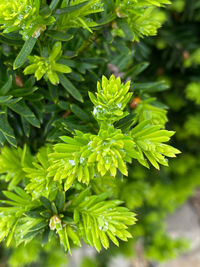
{"points": [[71, 171]]}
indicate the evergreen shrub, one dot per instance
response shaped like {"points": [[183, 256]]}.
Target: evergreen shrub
{"points": [[83, 133]]}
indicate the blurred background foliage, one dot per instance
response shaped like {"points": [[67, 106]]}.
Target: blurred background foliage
{"points": [[165, 74]]}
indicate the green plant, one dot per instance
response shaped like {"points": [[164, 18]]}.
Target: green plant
{"points": [[47, 67], [63, 161], [25, 16], [142, 17], [79, 160]]}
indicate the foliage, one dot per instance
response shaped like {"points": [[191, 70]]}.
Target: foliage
{"points": [[12, 163], [71, 172], [24, 16], [149, 140], [89, 217], [142, 17], [176, 61], [82, 157], [146, 111], [112, 98], [193, 92], [47, 67], [77, 14]]}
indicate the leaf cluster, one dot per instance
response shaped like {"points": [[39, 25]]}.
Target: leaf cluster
{"points": [[66, 192], [86, 216], [142, 16], [47, 67], [45, 207]]}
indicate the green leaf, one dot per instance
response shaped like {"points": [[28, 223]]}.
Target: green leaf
{"points": [[30, 235], [45, 11], [54, 4], [5, 39], [137, 69], [62, 68], [22, 193], [5, 88], [76, 201], [73, 236], [104, 239], [55, 51], [126, 122], [11, 234], [149, 140], [24, 91], [15, 197], [26, 126], [45, 236], [80, 113], [103, 218], [24, 53], [4, 100], [76, 216], [33, 214], [54, 208], [39, 226], [53, 77], [45, 202], [71, 89], [60, 200], [70, 9], [60, 36], [6, 130], [37, 5], [23, 110], [152, 87]]}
